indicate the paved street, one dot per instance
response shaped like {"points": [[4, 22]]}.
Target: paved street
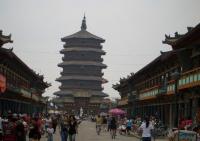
{"points": [[87, 132]]}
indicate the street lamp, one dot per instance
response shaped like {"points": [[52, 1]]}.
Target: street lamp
{"points": [[175, 76]]}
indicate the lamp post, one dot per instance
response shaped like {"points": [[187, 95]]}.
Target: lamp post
{"points": [[175, 76]]}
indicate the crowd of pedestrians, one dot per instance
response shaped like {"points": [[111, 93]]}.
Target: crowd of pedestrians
{"points": [[125, 125], [23, 127]]}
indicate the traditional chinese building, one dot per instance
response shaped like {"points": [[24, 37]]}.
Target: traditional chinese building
{"points": [[81, 79], [21, 88], [105, 105], [154, 90]]}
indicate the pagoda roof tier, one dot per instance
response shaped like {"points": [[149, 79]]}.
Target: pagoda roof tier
{"points": [[67, 93], [99, 94], [4, 39], [83, 34], [63, 93], [82, 63], [81, 49], [91, 78]]}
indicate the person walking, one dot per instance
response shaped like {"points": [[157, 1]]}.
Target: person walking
{"points": [[104, 123], [146, 128], [64, 125], [113, 127], [108, 123], [20, 130], [34, 134], [98, 124], [73, 127], [54, 123], [50, 132], [128, 126]]}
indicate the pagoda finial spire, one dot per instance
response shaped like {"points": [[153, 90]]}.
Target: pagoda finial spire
{"points": [[84, 26]]}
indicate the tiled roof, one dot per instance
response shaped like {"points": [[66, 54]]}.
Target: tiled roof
{"points": [[81, 49], [87, 63], [80, 78], [82, 34], [64, 93]]}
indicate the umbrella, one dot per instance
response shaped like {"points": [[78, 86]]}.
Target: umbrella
{"points": [[117, 111]]}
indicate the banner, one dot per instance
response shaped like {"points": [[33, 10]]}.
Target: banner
{"points": [[2, 83]]}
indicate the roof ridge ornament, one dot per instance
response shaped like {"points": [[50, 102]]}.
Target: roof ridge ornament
{"points": [[84, 26]]}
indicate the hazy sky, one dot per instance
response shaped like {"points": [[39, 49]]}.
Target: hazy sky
{"points": [[133, 29]]}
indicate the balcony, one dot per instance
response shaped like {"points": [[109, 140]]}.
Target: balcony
{"points": [[23, 92], [187, 80]]}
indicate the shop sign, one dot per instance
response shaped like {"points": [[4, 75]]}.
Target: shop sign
{"points": [[2, 83]]}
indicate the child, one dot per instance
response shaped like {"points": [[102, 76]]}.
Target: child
{"points": [[50, 132]]}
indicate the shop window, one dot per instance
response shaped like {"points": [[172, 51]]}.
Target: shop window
{"points": [[168, 88], [180, 82], [187, 80], [173, 87], [198, 76], [183, 81], [157, 91], [191, 78], [195, 77]]}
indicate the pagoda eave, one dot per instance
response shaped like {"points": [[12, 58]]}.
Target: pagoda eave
{"points": [[82, 63], [87, 78], [78, 49], [63, 93], [99, 94], [82, 34]]}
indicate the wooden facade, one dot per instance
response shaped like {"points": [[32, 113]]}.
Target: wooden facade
{"points": [[21, 88], [151, 90]]}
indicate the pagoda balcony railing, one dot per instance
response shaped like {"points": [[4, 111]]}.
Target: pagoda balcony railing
{"points": [[81, 87], [81, 73], [187, 80], [82, 59], [83, 45]]}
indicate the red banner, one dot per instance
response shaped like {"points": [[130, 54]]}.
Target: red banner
{"points": [[2, 83]]}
